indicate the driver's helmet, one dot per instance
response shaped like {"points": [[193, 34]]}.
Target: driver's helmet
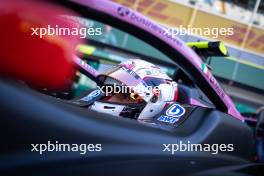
{"points": [[135, 89]]}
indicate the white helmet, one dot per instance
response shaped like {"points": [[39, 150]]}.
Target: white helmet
{"points": [[135, 89]]}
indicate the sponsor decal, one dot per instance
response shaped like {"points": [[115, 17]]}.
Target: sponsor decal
{"points": [[167, 119], [175, 110], [92, 95], [173, 114], [123, 11]]}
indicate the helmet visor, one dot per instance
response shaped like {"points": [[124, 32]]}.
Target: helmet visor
{"points": [[127, 82]]}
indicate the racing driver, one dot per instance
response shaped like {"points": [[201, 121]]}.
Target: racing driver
{"points": [[136, 89]]}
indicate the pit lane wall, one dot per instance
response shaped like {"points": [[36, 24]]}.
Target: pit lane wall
{"points": [[172, 14]]}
